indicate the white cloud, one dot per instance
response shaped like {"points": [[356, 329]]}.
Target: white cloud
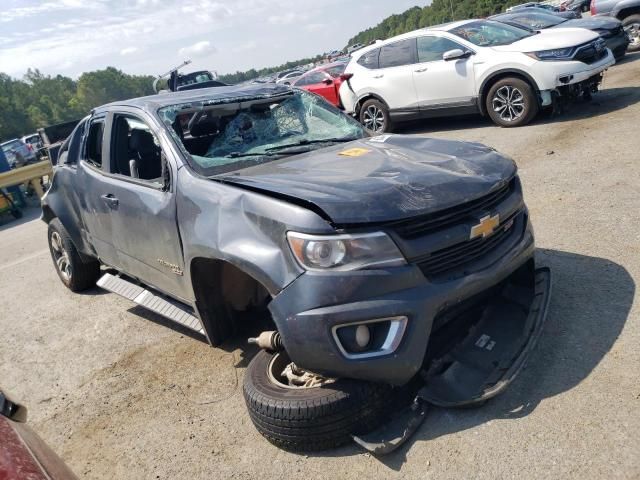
{"points": [[129, 50], [198, 49]]}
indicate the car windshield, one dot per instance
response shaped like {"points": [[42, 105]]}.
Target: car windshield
{"points": [[532, 20], [223, 137], [490, 34]]}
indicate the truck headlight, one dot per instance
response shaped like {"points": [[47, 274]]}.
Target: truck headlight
{"points": [[555, 54], [345, 252]]}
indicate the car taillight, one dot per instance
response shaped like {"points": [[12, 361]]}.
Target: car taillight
{"points": [[346, 76], [30, 147], [593, 7]]}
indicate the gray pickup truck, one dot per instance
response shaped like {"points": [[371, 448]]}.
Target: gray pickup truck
{"points": [[384, 264], [627, 11]]}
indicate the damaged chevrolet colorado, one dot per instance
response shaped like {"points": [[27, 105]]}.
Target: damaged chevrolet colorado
{"points": [[391, 267]]}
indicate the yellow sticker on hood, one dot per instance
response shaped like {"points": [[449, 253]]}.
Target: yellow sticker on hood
{"points": [[354, 152]]}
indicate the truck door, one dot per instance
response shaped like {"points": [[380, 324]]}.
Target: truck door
{"points": [[95, 211], [140, 195]]}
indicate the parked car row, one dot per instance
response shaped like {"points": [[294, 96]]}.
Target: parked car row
{"points": [[610, 29], [472, 66]]}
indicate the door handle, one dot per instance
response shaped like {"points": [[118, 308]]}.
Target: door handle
{"points": [[110, 200], [420, 70], [379, 76]]}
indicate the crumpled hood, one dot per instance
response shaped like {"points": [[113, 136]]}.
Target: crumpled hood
{"points": [[591, 23], [549, 39], [394, 179]]}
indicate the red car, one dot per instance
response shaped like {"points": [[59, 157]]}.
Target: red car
{"points": [[23, 454], [325, 81]]}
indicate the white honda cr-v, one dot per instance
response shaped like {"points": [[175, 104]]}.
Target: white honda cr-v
{"points": [[472, 66]]}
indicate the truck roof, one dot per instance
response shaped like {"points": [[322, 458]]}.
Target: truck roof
{"points": [[216, 94]]}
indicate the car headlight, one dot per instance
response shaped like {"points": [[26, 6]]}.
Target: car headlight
{"points": [[345, 252], [555, 54]]}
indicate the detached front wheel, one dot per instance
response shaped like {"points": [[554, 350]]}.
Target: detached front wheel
{"points": [[511, 102], [300, 411]]}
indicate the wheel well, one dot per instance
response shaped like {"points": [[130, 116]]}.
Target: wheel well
{"points": [[368, 96], [47, 213], [224, 296], [625, 12], [489, 82]]}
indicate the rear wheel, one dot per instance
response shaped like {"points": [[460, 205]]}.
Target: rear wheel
{"points": [[631, 25], [301, 411], [76, 274], [511, 102], [374, 115]]}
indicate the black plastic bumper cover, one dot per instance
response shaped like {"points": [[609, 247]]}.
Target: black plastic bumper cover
{"points": [[494, 351]]}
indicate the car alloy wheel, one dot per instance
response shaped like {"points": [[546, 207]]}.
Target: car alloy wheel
{"points": [[60, 256], [633, 31], [373, 118], [509, 103]]}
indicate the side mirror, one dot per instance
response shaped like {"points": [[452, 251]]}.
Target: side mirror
{"points": [[327, 81], [455, 54]]}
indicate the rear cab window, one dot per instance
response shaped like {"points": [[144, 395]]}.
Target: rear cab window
{"points": [[93, 145]]}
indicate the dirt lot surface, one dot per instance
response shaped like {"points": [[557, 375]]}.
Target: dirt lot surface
{"points": [[121, 396]]}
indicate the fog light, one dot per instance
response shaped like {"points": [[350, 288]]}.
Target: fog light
{"points": [[363, 336], [369, 338]]}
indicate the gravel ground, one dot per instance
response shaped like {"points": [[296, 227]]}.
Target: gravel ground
{"points": [[119, 395]]}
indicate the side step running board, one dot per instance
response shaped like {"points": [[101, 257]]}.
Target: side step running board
{"points": [[155, 302]]}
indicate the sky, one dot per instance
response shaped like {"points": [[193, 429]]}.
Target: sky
{"points": [[69, 37]]}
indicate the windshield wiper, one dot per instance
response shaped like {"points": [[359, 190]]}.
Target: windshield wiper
{"points": [[255, 154], [304, 143]]}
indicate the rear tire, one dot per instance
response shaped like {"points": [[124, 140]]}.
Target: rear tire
{"points": [[374, 115], [632, 25], [303, 419], [511, 102], [74, 273]]}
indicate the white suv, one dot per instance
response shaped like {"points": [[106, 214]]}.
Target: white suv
{"points": [[469, 67]]}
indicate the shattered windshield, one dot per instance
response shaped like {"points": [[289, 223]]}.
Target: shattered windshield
{"points": [[221, 137]]}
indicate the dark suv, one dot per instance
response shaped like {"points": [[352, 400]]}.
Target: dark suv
{"points": [[628, 11], [380, 261]]}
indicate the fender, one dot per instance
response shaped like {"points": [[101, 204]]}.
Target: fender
{"points": [[365, 97], [501, 73]]}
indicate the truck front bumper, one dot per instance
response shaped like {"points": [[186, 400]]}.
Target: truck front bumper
{"points": [[310, 311]]}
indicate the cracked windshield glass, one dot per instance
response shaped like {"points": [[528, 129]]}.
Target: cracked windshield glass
{"points": [[220, 138]]}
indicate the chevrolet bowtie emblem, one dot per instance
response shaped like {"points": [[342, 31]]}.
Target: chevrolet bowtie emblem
{"points": [[486, 226]]}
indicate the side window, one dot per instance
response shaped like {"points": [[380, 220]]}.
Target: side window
{"points": [[337, 70], [311, 79], [370, 59], [135, 150], [431, 49], [398, 53], [93, 147]]}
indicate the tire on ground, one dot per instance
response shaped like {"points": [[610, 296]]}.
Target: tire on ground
{"points": [[630, 20], [531, 104], [368, 108], [84, 274], [312, 419]]}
